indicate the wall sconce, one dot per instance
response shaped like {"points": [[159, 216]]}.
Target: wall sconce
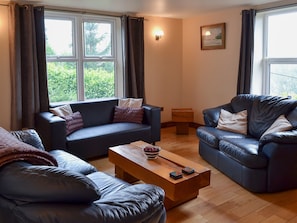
{"points": [[159, 34]]}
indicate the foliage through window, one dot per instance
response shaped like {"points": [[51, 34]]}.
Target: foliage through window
{"points": [[275, 60], [83, 59]]}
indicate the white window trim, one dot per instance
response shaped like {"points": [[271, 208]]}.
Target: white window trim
{"points": [[261, 62], [78, 55]]}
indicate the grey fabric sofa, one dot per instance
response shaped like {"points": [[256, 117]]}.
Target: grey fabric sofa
{"points": [[98, 132], [259, 164], [73, 191]]}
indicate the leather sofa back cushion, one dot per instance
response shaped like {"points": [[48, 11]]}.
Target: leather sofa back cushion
{"points": [[95, 113], [265, 111], [243, 102], [134, 115], [26, 183]]}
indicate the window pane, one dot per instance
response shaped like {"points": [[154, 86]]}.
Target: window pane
{"points": [[62, 84], [283, 80], [58, 34], [99, 79], [282, 34], [97, 37]]}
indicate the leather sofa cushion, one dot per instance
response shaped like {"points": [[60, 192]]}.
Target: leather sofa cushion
{"points": [[106, 183], [244, 151], [95, 113], [26, 183], [212, 136], [265, 111], [292, 118], [70, 162], [103, 130], [243, 102]]}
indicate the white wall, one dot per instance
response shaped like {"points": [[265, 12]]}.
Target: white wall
{"points": [[163, 64], [210, 76]]}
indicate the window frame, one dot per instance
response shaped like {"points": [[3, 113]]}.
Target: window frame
{"points": [[79, 56], [262, 62]]}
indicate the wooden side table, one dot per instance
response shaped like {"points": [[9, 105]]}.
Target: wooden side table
{"points": [[182, 117]]}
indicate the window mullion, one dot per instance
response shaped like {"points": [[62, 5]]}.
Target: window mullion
{"points": [[266, 67], [80, 66]]}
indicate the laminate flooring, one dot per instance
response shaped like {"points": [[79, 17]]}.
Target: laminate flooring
{"points": [[223, 201]]}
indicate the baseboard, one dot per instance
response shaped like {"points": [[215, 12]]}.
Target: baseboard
{"points": [[171, 124]]}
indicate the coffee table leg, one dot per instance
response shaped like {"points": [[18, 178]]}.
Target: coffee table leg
{"points": [[171, 204], [120, 173]]}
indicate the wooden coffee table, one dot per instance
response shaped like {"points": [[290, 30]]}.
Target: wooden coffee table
{"points": [[131, 165]]}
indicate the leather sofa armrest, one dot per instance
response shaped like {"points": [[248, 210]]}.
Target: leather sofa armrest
{"points": [[152, 116], [211, 115], [287, 137], [51, 129], [281, 164]]}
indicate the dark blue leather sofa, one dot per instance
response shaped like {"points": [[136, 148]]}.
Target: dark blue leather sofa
{"points": [[259, 164], [99, 131], [73, 191]]}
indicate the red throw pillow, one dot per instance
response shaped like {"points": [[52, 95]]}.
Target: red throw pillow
{"points": [[126, 114], [73, 122]]}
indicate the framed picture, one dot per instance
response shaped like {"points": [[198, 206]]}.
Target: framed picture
{"points": [[213, 36]]}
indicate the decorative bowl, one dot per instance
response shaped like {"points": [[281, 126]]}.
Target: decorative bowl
{"points": [[151, 152]]}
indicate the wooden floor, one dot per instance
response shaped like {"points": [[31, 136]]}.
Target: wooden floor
{"points": [[222, 201]]}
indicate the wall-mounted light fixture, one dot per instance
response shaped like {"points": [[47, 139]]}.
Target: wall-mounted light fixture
{"points": [[159, 34]]}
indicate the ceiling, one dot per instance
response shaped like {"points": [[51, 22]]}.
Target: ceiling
{"points": [[162, 8]]}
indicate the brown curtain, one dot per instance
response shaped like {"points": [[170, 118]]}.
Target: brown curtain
{"points": [[27, 64], [133, 46], [246, 52]]}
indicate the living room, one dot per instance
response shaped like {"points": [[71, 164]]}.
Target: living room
{"points": [[175, 68]]}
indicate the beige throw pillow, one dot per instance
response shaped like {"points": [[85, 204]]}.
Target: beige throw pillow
{"points": [[236, 122], [279, 125], [130, 102], [62, 111]]}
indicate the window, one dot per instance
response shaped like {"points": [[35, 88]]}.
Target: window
{"points": [[275, 61], [83, 56]]}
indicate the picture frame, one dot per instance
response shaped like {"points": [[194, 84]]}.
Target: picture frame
{"points": [[213, 36]]}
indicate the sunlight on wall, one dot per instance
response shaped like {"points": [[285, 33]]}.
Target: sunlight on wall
{"points": [[5, 95]]}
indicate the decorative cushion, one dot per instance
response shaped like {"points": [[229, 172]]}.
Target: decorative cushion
{"points": [[279, 125], [73, 122], [236, 122], [130, 102], [12, 150], [62, 111], [29, 136], [128, 115]]}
